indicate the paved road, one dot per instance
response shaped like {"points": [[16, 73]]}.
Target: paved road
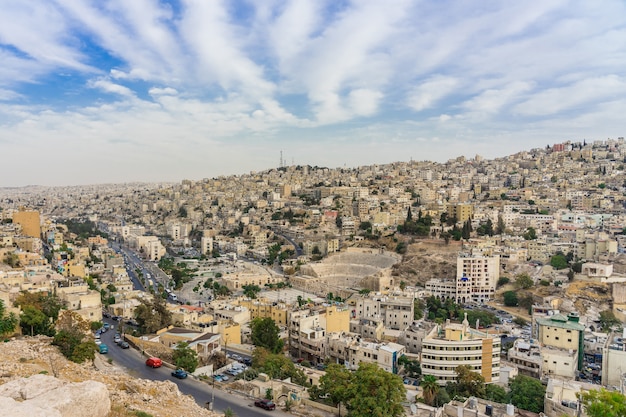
{"points": [[134, 364]]}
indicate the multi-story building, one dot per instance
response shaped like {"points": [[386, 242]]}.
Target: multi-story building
{"points": [[448, 346], [29, 220], [396, 312], [350, 350], [480, 273], [526, 356], [564, 333], [309, 331], [461, 212]]}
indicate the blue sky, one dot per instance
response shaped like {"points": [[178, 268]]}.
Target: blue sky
{"points": [[144, 90]]}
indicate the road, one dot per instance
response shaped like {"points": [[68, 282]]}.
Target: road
{"points": [[134, 364]]}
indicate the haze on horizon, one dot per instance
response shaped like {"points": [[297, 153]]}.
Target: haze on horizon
{"points": [[145, 90]]}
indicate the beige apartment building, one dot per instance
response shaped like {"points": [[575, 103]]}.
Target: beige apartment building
{"points": [[30, 221], [480, 274], [462, 212], [564, 333], [448, 346]]}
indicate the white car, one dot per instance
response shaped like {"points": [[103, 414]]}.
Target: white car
{"points": [[97, 341]]}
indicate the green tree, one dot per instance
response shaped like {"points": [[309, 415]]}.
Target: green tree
{"points": [[510, 299], [530, 234], [604, 403], [524, 281], [265, 334], [503, 281], [251, 290], [500, 228], [34, 321], [152, 315], [184, 357], [559, 261], [374, 392], [495, 393], [8, 323], [468, 383], [608, 320], [527, 393], [411, 367], [335, 383], [430, 387]]}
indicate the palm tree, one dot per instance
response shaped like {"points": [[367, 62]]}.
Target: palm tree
{"points": [[430, 388]]}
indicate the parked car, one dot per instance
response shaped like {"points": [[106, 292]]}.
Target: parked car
{"points": [[265, 404], [103, 348], [124, 345], [154, 362], [179, 373]]}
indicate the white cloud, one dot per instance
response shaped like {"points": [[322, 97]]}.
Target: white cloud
{"points": [[427, 94], [112, 88], [492, 101], [585, 92]]}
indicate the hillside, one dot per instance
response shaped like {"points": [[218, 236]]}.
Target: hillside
{"points": [[25, 357]]}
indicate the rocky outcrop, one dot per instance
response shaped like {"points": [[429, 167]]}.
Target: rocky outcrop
{"points": [[43, 395]]}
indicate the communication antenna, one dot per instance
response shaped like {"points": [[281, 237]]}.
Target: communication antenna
{"points": [[282, 162]]}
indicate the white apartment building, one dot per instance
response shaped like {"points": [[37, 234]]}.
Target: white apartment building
{"points": [[448, 346], [481, 273], [395, 312]]}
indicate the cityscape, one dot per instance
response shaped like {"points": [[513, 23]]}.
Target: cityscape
{"points": [[494, 286], [312, 208]]}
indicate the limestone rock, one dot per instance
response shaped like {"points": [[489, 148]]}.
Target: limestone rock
{"points": [[41, 392], [12, 408]]}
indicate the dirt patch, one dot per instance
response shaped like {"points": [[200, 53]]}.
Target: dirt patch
{"points": [[428, 259]]}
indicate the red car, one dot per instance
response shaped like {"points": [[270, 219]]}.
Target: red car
{"points": [[266, 404], [154, 362]]}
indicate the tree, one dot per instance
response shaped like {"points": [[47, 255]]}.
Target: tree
{"points": [[559, 261], [153, 315], [8, 323], [251, 290], [604, 403], [73, 337], [374, 392], [527, 393], [503, 281], [265, 334], [608, 320], [501, 226], [34, 321], [495, 393], [184, 357], [524, 281], [468, 383], [335, 383], [411, 367], [430, 387], [530, 234], [510, 299]]}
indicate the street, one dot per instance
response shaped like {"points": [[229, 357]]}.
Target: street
{"points": [[134, 364]]}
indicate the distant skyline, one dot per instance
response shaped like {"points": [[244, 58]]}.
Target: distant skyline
{"points": [[123, 91]]}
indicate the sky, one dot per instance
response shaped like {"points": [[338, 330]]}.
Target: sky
{"points": [[111, 91]]}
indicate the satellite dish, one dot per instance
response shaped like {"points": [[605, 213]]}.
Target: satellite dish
{"points": [[413, 409]]}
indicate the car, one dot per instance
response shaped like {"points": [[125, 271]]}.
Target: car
{"points": [[117, 339], [218, 378], [103, 348], [265, 404], [106, 326], [224, 377], [154, 362], [179, 373], [123, 345], [247, 361], [97, 341]]}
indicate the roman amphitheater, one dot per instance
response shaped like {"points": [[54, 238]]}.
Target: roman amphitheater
{"points": [[347, 272]]}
